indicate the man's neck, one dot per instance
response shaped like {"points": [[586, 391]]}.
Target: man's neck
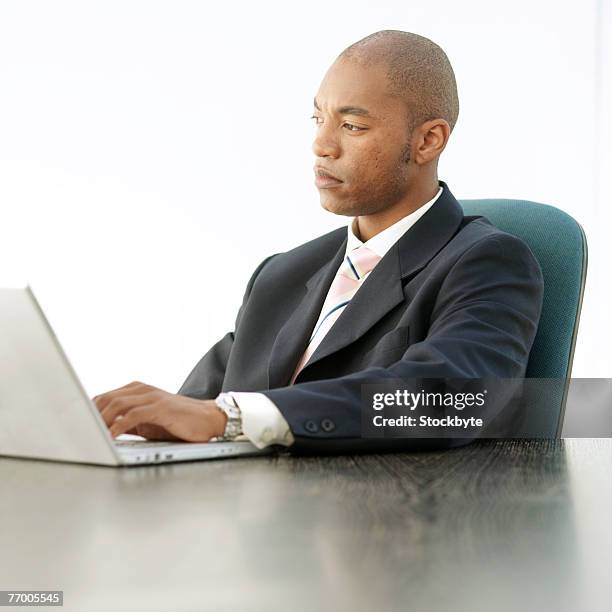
{"points": [[368, 226]]}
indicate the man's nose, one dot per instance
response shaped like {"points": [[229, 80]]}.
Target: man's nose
{"points": [[325, 145]]}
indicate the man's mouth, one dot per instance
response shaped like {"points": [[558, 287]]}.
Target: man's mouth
{"points": [[325, 179]]}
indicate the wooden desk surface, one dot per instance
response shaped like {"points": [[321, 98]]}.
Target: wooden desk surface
{"points": [[497, 525]]}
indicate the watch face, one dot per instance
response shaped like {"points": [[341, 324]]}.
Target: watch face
{"points": [[232, 429]]}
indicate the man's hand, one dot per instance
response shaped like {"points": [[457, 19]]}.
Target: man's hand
{"points": [[158, 415]]}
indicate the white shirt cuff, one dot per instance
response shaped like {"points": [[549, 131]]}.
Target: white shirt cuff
{"points": [[262, 422]]}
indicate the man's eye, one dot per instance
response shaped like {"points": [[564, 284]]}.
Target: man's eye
{"points": [[352, 128], [357, 128]]}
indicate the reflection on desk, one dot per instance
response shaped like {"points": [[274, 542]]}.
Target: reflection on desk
{"points": [[496, 525]]}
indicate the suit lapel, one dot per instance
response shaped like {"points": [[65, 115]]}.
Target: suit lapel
{"points": [[291, 340], [381, 291]]}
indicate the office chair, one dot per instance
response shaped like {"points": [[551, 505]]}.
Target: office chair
{"points": [[559, 244]]}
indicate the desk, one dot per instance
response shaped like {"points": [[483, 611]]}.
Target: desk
{"points": [[497, 525]]}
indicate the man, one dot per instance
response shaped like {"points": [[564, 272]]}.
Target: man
{"points": [[410, 289]]}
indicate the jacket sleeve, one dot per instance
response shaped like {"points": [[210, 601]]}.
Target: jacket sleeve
{"points": [[206, 379], [482, 325]]}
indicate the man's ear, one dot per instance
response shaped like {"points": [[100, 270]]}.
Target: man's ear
{"points": [[429, 140]]}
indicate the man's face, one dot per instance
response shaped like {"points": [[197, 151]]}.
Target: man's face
{"points": [[367, 152]]}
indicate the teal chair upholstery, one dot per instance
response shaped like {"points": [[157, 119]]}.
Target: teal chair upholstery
{"points": [[559, 244]]}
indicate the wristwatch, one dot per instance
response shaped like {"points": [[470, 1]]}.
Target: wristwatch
{"points": [[233, 428]]}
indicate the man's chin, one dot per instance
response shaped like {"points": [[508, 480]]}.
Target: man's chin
{"points": [[336, 207]]}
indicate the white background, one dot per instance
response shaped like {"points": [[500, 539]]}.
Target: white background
{"points": [[153, 153]]}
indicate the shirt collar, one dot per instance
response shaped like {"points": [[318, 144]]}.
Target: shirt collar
{"points": [[384, 240]]}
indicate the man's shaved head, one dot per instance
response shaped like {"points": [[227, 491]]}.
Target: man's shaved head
{"points": [[383, 115], [418, 71]]}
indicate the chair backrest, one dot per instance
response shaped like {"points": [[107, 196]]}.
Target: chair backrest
{"points": [[559, 244]]}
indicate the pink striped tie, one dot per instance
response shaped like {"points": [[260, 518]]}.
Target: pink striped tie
{"points": [[355, 267]]}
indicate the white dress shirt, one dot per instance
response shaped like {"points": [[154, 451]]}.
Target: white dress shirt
{"points": [[262, 422]]}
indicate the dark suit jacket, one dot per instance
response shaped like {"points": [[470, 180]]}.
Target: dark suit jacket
{"points": [[454, 297]]}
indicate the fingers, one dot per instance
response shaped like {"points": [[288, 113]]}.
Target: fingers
{"points": [[121, 404], [154, 432], [135, 417], [141, 408], [133, 388]]}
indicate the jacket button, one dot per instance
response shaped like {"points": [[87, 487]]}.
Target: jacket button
{"points": [[328, 425], [311, 426]]}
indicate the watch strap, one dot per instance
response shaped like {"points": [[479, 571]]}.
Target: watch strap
{"points": [[227, 404]]}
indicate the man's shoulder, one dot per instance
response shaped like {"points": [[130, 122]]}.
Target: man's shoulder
{"points": [[479, 231], [332, 240], [478, 240], [316, 251]]}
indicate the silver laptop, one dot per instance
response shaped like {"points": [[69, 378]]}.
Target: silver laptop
{"points": [[45, 412]]}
